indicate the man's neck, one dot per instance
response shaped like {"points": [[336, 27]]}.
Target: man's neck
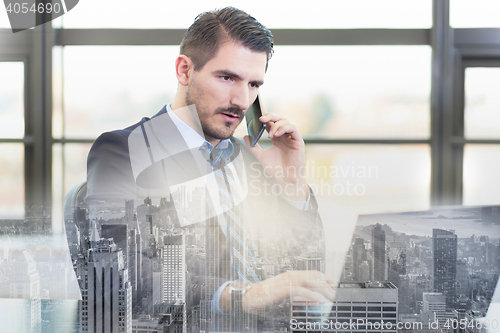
{"points": [[190, 117], [212, 141]]}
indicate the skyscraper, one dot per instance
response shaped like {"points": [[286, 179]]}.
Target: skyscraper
{"points": [[436, 303], [173, 261], [106, 294], [444, 249], [133, 257], [359, 257], [396, 262], [379, 258], [24, 283], [208, 319], [462, 277], [129, 211], [373, 306]]}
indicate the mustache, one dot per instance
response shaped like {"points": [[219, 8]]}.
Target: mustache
{"points": [[234, 111]]}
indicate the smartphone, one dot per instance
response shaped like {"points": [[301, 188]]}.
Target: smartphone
{"points": [[254, 126]]}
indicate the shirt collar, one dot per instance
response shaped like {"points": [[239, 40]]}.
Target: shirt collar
{"points": [[194, 140]]}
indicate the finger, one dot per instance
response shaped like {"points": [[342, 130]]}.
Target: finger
{"points": [[257, 150], [274, 126], [332, 283], [274, 117], [289, 129]]}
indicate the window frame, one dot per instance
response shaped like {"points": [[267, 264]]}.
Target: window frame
{"points": [[32, 47]]}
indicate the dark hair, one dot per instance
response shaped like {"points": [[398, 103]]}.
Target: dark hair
{"points": [[211, 29]]}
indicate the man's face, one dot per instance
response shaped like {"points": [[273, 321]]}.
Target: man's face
{"points": [[225, 87]]}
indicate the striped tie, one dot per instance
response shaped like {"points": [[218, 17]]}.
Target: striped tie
{"points": [[243, 261]]}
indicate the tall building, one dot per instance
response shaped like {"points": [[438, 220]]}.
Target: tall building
{"points": [[396, 262], [490, 214], [138, 259], [364, 271], [173, 314], [173, 281], [24, 283], [149, 261], [462, 277], [106, 294], [127, 239], [436, 303], [359, 260], [491, 254], [398, 257], [444, 249], [424, 322], [173, 261], [210, 321], [372, 306], [129, 211], [133, 257], [379, 257]]}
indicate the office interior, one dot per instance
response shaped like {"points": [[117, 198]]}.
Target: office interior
{"points": [[397, 101]]}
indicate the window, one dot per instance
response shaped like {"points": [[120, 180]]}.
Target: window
{"points": [[366, 98], [481, 162], [482, 120], [477, 14], [4, 20], [317, 14], [356, 91], [383, 96], [11, 140]]}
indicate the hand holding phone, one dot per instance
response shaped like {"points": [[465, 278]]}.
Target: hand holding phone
{"points": [[254, 126]]}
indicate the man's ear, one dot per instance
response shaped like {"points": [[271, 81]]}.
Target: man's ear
{"points": [[183, 69]]}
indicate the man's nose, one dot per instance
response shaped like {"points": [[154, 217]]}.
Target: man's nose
{"points": [[240, 97]]}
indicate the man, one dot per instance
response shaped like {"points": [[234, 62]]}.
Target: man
{"points": [[222, 63]]}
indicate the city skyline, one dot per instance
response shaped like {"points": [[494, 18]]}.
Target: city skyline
{"points": [[465, 221], [408, 260], [463, 270]]}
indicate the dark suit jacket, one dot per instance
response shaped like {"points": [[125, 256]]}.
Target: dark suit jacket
{"points": [[122, 165]]}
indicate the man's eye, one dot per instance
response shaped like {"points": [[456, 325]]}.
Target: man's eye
{"points": [[254, 85], [226, 78]]}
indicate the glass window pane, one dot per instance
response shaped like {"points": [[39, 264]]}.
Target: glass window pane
{"points": [[57, 188], [11, 180], [369, 178], [314, 14], [75, 164], [349, 180], [69, 168], [11, 100], [4, 19], [57, 92], [352, 91], [107, 88], [481, 181], [482, 103], [474, 14], [360, 92]]}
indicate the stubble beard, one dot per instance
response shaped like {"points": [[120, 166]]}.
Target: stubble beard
{"points": [[193, 93]]}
